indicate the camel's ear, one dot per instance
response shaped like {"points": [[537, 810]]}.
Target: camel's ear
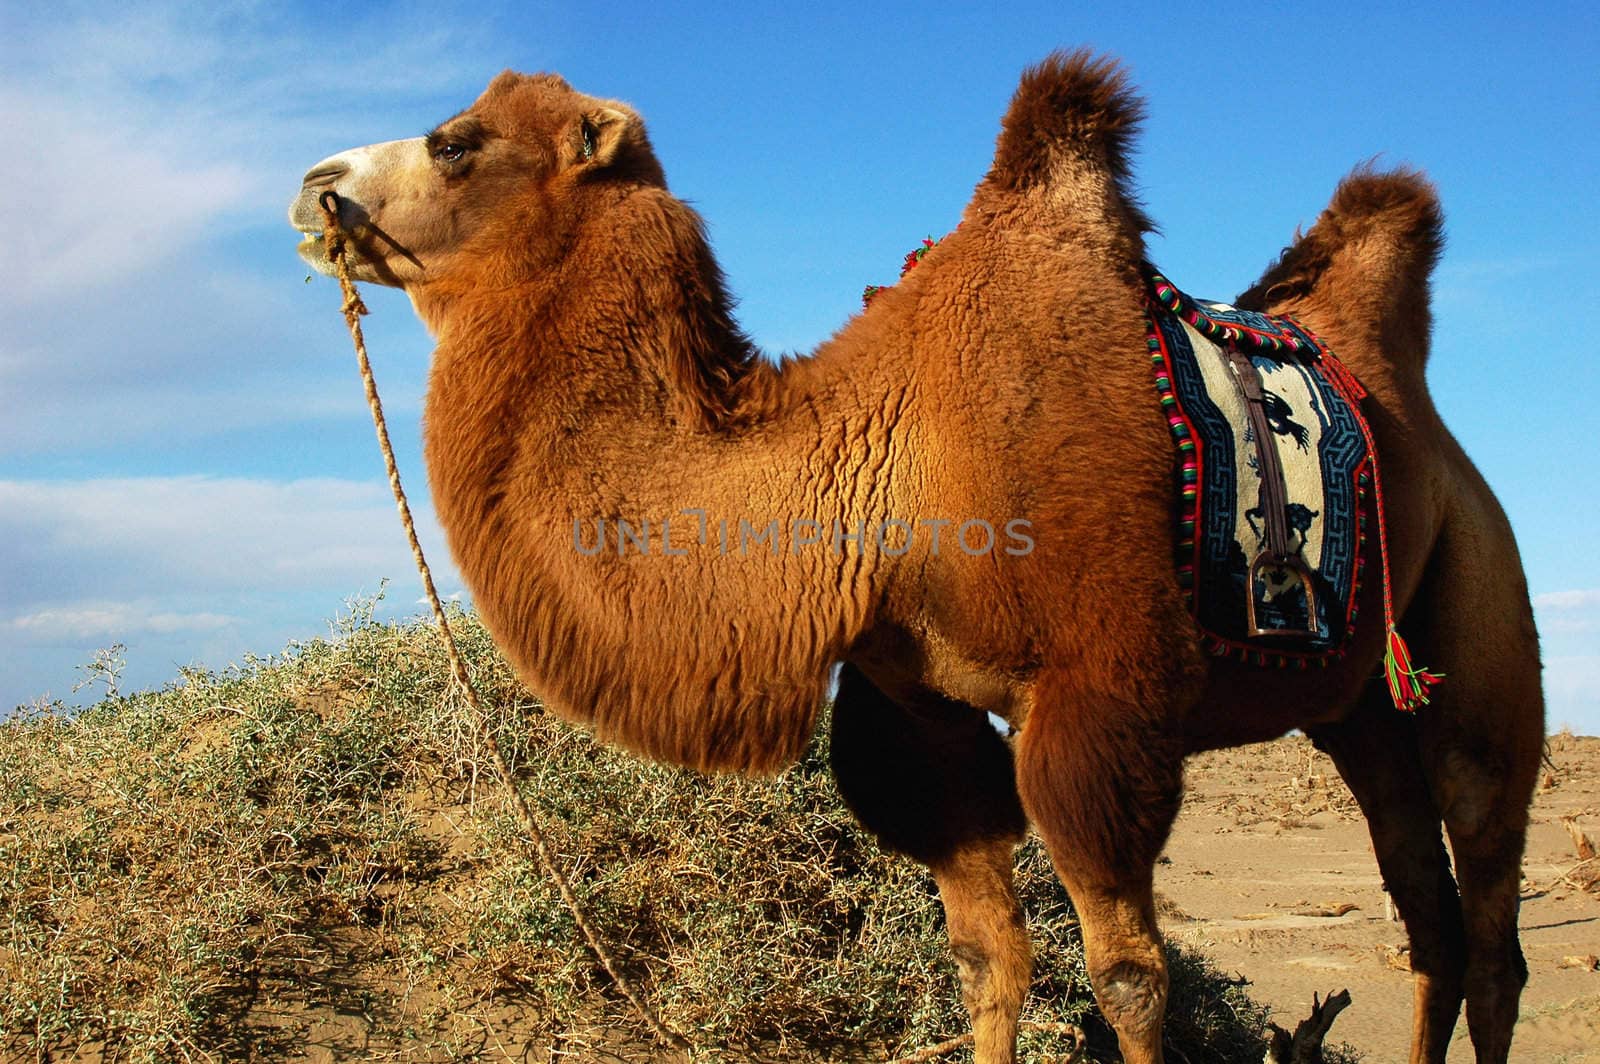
{"points": [[601, 133]]}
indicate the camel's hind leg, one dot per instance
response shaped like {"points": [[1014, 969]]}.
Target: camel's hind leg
{"points": [[934, 781], [1102, 780], [1376, 751], [1476, 749], [1488, 844], [1481, 741]]}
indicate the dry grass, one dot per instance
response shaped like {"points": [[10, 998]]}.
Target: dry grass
{"points": [[1290, 783], [308, 854]]}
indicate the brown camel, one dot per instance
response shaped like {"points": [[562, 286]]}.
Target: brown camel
{"points": [[966, 496]]}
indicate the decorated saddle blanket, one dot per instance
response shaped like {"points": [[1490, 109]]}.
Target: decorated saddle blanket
{"points": [[1304, 582]]}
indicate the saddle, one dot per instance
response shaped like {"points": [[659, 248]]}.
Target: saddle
{"points": [[1274, 465]]}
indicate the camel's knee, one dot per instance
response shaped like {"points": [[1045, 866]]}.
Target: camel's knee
{"points": [[992, 952], [1425, 894], [992, 979], [988, 933], [989, 941], [1132, 995], [994, 985], [972, 964], [1496, 972]]}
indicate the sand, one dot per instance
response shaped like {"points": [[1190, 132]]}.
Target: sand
{"points": [[1270, 872]]}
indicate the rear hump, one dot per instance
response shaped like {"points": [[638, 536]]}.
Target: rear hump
{"points": [[1371, 254]]}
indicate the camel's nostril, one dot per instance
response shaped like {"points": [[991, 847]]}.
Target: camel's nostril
{"points": [[325, 173]]}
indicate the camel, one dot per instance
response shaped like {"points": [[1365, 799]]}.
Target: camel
{"points": [[964, 499]]}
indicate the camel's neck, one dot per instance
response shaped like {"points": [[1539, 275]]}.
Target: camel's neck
{"points": [[645, 513], [637, 304]]}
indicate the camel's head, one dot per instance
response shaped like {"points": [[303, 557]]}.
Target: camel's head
{"points": [[509, 177]]}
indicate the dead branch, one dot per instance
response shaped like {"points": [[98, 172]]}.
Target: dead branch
{"points": [[1305, 1045], [1585, 875], [1580, 841]]}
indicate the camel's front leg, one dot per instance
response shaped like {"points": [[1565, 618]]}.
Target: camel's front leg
{"points": [[990, 943], [934, 781], [1102, 782], [1127, 964]]}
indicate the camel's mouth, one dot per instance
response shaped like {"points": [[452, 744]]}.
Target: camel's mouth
{"points": [[306, 214], [354, 186], [307, 220], [313, 249]]}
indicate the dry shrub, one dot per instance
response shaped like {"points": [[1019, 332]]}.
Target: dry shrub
{"points": [[1288, 782], [222, 868]]}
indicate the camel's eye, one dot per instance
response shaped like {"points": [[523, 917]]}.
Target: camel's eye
{"points": [[450, 147]]}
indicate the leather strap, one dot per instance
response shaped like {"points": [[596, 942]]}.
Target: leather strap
{"points": [[1274, 500]]}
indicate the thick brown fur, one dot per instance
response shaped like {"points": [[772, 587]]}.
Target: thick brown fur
{"points": [[589, 374]]}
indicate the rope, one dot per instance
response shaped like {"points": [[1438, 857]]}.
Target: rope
{"points": [[943, 1049], [1080, 1043], [1408, 682], [353, 308]]}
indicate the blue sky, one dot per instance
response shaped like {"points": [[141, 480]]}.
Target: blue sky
{"points": [[186, 464]]}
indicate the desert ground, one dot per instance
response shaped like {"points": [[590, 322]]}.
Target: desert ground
{"points": [[306, 859], [1270, 874], [1270, 847]]}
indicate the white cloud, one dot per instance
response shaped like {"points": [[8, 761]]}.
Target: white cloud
{"points": [[146, 128], [1588, 599], [153, 299], [1561, 613], [1488, 273], [110, 199], [1573, 677], [1572, 692], [152, 291], [1569, 628], [66, 544], [114, 620], [187, 569]]}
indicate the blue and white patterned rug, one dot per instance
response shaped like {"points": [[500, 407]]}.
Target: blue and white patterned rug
{"points": [[1311, 403]]}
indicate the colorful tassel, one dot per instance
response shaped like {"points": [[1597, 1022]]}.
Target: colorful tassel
{"points": [[913, 257], [1408, 684]]}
